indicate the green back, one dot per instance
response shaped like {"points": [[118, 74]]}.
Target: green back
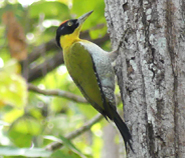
{"points": [[79, 64]]}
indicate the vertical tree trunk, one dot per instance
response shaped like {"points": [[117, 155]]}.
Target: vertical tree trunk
{"points": [[110, 148], [151, 73]]}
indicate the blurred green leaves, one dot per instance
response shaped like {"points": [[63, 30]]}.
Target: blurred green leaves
{"points": [[70, 146], [13, 88], [50, 10], [34, 152], [97, 17]]}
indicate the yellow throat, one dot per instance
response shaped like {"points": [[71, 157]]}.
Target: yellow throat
{"points": [[67, 40]]}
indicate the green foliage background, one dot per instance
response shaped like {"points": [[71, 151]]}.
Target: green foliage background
{"points": [[27, 117]]}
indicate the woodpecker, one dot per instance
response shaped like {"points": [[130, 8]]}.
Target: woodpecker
{"points": [[90, 68]]}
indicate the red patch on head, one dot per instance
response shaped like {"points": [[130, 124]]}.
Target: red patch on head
{"points": [[63, 22]]}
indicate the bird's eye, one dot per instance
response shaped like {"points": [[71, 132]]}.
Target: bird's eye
{"points": [[70, 23]]}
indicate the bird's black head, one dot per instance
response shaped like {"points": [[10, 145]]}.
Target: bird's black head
{"points": [[67, 27], [71, 28]]}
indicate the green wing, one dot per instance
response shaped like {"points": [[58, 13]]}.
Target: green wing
{"points": [[81, 68]]}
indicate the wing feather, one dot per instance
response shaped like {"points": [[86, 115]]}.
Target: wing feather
{"points": [[85, 75]]}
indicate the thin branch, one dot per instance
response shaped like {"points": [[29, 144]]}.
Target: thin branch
{"points": [[38, 50], [58, 93], [56, 145], [48, 65], [64, 94]]}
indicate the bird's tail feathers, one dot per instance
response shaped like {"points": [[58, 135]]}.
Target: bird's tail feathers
{"points": [[122, 127]]}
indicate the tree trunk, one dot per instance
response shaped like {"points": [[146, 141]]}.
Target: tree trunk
{"points": [[110, 148], [151, 73]]}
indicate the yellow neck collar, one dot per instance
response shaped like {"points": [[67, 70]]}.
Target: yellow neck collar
{"points": [[67, 40]]}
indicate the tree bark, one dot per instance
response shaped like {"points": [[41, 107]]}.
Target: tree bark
{"points": [[151, 73], [110, 148]]}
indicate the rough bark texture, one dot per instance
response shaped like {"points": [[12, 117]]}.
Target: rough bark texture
{"points": [[151, 73]]}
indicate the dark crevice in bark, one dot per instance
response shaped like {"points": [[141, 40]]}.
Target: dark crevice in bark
{"points": [[130, 69], [153, 56], [151, 140], [159, 106], [151, 50], [144, 98], [183, 17], [119, 75], [149, 127], [171, 37], [125, 7]]}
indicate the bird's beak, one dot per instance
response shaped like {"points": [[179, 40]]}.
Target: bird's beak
{"points": [[84, 17]]}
